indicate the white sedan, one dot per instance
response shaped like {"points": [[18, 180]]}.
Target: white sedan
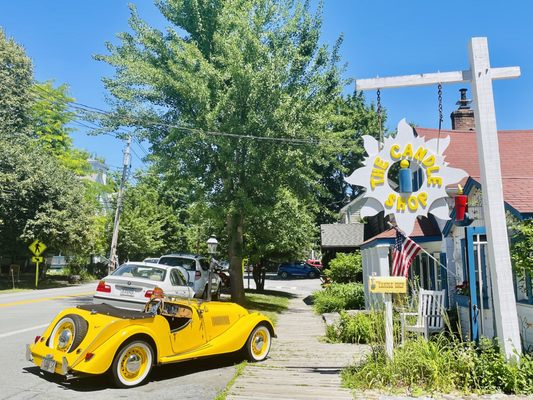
{"points": [[131, 285]]}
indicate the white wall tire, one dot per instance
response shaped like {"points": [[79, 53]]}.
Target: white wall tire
{"points": [[258, 343], [68, 333], [132, 364]]}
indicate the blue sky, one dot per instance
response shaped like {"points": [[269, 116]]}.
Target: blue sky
{"points": [[381, 38]]}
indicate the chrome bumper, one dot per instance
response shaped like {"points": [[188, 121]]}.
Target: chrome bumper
{"points": [[64, 362]]}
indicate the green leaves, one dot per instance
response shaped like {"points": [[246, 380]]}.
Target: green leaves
{"points": [[345, 268], [521, 245], [40, 199], [338, 297], [225, 70], [41, 195], [148, 226], [16, 74]]}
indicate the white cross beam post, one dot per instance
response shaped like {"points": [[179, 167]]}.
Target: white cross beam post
{"points": [[480, 77]]}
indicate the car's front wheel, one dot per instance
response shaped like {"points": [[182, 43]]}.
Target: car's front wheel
{"points": [[284, 275], [258, 343], [132, 364], [312, 274]]}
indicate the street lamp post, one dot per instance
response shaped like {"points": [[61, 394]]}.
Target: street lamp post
{"points": [[212, 244]]}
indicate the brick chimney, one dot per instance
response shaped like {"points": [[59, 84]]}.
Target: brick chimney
{"points": [[463, 118]]}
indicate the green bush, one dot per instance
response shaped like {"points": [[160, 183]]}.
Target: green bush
{"points": [[77, 265], [339, 296], [358, 328], [364, 327], [345, 268], [443, 365]]}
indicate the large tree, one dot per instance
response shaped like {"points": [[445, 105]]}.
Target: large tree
{"points": [[149, 226], [237, 67], [350, 119], [284, 230], [50, 117], [16, 78], [41, 194], [40, 200]]}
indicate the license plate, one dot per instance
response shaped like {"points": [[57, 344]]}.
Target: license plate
{"points": [[48, 364], [127, 292]]}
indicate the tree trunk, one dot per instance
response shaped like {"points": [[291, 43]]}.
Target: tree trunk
{"points": [[234, 226]]}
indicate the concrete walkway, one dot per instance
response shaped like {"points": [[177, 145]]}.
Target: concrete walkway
{"points": [[299, 366]]}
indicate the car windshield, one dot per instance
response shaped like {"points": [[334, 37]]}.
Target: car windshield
{"points": [[187, 263], [141, 271]]}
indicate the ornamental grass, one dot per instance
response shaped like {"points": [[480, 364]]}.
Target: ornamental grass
{"points": [[443, 364]]}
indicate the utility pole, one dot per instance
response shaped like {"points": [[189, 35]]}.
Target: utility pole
{"points": [[113, 259], [480, 76]]}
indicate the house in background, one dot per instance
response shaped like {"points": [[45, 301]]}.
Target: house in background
{"points": [[350, 232]]}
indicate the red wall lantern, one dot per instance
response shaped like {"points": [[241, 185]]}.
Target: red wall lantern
{"points": [[461, 204]]}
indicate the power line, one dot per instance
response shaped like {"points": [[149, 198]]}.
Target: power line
{"points": [[95, 110], [136, 155], [138, 143]]}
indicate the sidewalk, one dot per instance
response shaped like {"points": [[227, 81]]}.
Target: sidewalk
{"points": [[299, 366]]}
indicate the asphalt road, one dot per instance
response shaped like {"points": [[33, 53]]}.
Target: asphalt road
{"points": [[24, 315]]}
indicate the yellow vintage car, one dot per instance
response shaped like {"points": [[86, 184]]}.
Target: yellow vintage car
{"points": [[94, 339]]}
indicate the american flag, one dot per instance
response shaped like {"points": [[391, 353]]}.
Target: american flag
{"points": [[404, 252]]}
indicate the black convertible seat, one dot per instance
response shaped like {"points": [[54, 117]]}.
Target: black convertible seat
{"points": [[107, 309]]}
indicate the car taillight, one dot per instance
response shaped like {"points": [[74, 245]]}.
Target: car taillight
{"points": [[197, 275], [88, 356], [102, 287], [37, 338], [156, 293]]}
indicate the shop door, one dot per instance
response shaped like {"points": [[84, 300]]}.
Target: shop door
{"points": [[476, 248]]}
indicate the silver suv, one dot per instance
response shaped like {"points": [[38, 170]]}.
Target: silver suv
{"points": [[197, 268]]}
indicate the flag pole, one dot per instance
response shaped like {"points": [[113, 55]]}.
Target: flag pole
{"points": [[421, 248]]}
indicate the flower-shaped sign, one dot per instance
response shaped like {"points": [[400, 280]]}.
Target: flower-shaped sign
{"points": [[422, 172]]}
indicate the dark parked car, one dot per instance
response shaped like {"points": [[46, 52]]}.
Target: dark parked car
{"points": [[298, 268]]}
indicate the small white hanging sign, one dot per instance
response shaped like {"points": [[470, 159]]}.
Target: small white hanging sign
{"points": [[405, 204]]}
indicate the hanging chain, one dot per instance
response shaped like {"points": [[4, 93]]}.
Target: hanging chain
{"points": [[439, 97], [380, 123]]}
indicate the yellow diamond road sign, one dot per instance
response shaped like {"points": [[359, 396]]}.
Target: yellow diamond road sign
{"points": [[37, 247]]}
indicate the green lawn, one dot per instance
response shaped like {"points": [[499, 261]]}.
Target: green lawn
{"points": [[27, 281], [271, 303]]}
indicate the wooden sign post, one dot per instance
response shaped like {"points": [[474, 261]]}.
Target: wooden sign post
{"points": [[388, 285], [480, 77]]}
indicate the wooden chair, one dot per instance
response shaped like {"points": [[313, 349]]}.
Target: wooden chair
{"points": [[429, 318]]}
